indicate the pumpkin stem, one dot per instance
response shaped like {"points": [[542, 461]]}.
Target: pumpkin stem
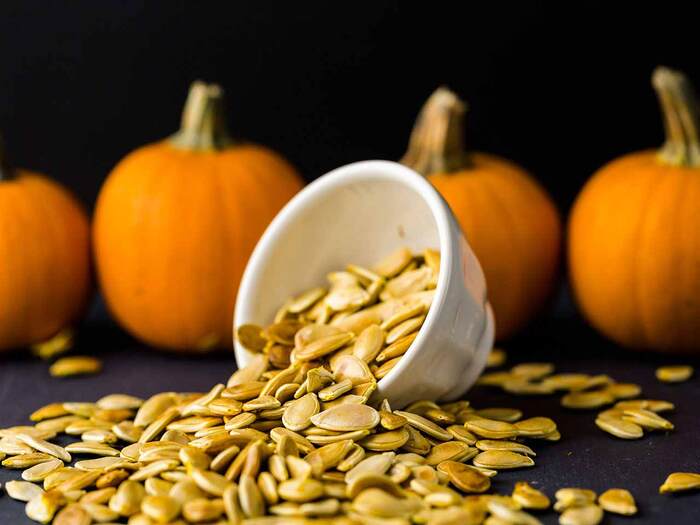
{"points": [[203, 126], [6, 171], [681, 118], [437, 140]]}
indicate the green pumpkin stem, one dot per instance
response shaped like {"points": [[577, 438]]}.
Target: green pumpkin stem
{"points": [[203, 124], [681, 118], [6, 171], [437, 141]]}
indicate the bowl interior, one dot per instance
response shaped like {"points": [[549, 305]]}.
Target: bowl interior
{"points": [[346, 217]]}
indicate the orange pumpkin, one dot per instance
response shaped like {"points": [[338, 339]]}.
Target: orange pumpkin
{"points": [[44, 258], [634, 235], [507, 217], [175, 223]]}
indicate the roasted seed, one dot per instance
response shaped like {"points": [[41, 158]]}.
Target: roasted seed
{"points": [[75, 365]]}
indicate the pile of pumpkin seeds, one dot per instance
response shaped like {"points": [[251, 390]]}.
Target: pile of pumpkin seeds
{"points": [[292, 438], [628, 418], [261, 449], [372, 315]]}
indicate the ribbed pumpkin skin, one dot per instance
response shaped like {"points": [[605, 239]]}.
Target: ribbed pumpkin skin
{"points": [[634, 253], [173, 230], [44, 259], [515, 231]]}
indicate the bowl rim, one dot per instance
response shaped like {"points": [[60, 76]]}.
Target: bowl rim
{"points": [[368, 170]]}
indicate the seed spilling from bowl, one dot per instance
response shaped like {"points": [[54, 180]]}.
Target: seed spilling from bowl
{"points": [[364, 321]]}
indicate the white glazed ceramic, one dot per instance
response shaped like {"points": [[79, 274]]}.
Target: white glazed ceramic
{"points": [[360, 213]]}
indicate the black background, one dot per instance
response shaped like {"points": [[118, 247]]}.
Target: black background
{"points": [[561, 89]]}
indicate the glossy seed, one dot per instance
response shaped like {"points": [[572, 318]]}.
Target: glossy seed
{"points": [[674, 374], [529, 497], [75, 365], [618, 501], [347, 418], [465, 478], [620, 428], [587, 399], [492, 429], [680, 482], [22, 490], [585, 515], [502, 459]]}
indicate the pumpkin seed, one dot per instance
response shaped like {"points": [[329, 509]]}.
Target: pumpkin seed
{"points": [[509, 415], [322, 346], [232, 507], [502, 459], [99, 496], [618, 501], [378, 464], [127, 500], [298, 414], [393, 263], [513, 446], [209, 482], [374, 502], [573, 497], [98, 512], [465, 478], [162, 508], [119, 402], [450, 450], [328, 456], [306, 300], [202, 510], [250, 498], [674, 374], [501, 510], [39, 471], [300, 490], [91, 447], [680, 482], [22, 490], [26, 460], [648, 404], [585, 515], [620, 428], [48, 412], [43, 507], [404, 329], [72, 515], [387, 366], [425, 425], [397, 348], [75, 365], [347, 418], [529, 497], [566, 381], [532, 371], [462, 434], [624, 390], [492, 429], [44, 446], [647, 419], [497, 357], [536, 427], [57, 345], [586, 400], [524, 387]]}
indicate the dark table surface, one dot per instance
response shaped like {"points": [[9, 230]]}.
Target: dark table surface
{"points": [[585, 456]]}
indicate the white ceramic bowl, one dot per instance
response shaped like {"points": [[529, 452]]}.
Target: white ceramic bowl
{"points": [[360, 213]]}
